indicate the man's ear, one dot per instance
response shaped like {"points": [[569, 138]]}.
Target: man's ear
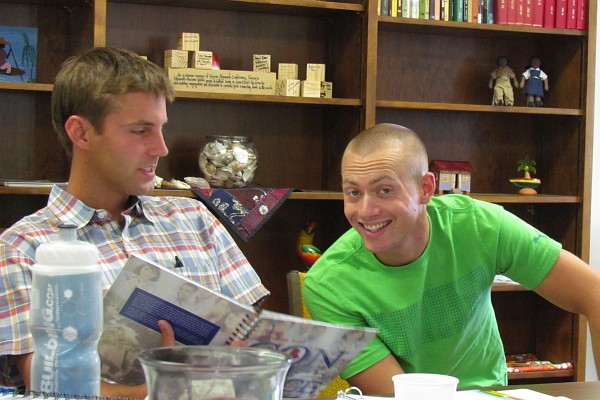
{"points": [[427, 187], [78, 129]]}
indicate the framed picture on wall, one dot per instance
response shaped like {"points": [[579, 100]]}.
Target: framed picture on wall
{"points": [[18, 54]]}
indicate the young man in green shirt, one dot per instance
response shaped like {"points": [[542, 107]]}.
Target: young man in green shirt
{"points": [[420, 268]]}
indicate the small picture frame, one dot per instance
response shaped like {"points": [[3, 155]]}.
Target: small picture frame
{"points": [[18, 54]]}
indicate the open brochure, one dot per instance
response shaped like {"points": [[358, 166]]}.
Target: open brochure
{"points": [[145, 292]]}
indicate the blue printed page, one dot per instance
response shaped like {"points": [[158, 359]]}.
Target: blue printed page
{"points": [[144, 293]]}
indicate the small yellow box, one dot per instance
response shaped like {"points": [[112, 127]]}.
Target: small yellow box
{"points": [[200, 59], [287, 71], [261, 63], [326, 90], [310, 89], [188, 41], [176, 59], [315, 72], [288, 87]]}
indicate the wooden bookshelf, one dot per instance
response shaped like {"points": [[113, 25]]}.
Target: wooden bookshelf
{"points": [[428, 75]]}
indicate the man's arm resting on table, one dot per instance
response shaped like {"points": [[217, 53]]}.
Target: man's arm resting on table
{"points": [[572, 285], [377, 379], [106, 389]]}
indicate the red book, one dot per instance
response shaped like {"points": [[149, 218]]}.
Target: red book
{"points": [[511, 16], [528, 20], [572, 14], [550, 14], [582, 15], [561, 14], [537, 13], [520, 12], [501, 16]]}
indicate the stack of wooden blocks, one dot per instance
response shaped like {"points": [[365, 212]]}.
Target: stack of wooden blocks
{"points": [[315, 85], [191, 69]]}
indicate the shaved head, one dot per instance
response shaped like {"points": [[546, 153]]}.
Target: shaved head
{"points": [[406, 146]]}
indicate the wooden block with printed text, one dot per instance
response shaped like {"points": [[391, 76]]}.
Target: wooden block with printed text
{"points": [[200, 59], [315, 72], [188, 41], [261, 63], [287, 71], [326, 90], [176, 58], [310, 89], [288, 87], [223, 81]]}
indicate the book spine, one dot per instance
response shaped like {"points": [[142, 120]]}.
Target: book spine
{"points": [[458, 10], [385, 8], [582, 15], [414, 9], [528, 20], [561, 14], [502, 12], [550, 14], [490, 18], [423, 9], [405, 8], [537, 13], [572, 14], [511, 15], [394, 8], [520, 17], [446, 9]]}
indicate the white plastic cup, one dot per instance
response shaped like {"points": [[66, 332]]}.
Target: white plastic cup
{"points": [[417, 386]]}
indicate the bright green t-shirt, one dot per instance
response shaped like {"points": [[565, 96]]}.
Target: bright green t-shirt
{"points": [[434, 314]]}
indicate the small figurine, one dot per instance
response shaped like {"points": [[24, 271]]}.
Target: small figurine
{"points": [[527, 184], [307, 253], [535, 82], [501, 81]]}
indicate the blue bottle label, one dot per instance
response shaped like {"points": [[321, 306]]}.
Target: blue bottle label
{"points": [[66, 324]]}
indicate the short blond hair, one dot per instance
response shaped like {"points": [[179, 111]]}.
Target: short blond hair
{"points": [[88, 84]]}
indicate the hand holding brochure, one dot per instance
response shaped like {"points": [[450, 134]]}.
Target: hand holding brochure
{"points": [[200, 316]]}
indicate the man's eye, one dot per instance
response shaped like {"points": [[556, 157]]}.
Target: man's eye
{"points": [[385, 190]]}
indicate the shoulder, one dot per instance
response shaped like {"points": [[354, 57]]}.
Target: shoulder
{"points": [[338, 256], [170, 204]]}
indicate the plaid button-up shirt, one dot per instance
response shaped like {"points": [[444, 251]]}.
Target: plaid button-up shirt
{"points": [[158, 228]]}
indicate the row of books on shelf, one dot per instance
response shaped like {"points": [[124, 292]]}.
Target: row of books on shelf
{"points": [[563, 14], [529, 362]]}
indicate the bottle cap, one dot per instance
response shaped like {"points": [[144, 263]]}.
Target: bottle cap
{"points": [[67, 255]]}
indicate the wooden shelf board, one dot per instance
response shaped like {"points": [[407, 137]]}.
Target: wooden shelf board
{"points": [[295, 7], [562, 373], [416, 105], [24, 86], [331, 195], [466, 28], [267, 99]]}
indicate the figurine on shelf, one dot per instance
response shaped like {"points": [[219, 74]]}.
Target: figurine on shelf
{"points": [[534, 82], [501, 81], [307, 253], [527, 185]]}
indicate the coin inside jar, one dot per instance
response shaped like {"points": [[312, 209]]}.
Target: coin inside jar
{"points": [[228, 161]]}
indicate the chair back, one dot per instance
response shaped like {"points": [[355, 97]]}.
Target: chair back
{"points": [[295, 279]]}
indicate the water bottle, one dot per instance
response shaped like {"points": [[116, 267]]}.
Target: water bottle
{"points": [[66, 316]]}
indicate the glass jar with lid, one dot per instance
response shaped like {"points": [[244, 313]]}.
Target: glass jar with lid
{"points": [[228, 161]]}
